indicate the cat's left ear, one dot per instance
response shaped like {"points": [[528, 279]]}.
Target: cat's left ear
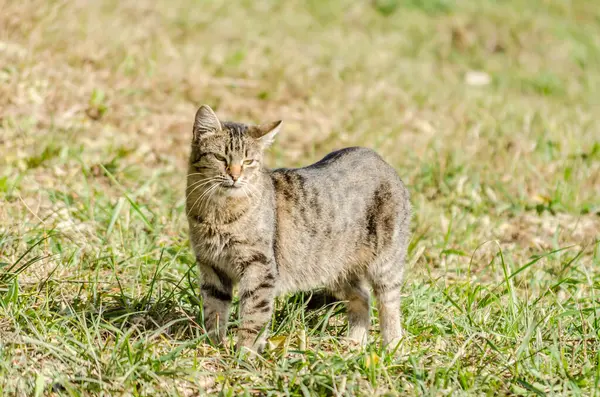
{"points": [[265, 133], [205, 122]]}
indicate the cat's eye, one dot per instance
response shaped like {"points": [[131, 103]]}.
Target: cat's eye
{"points": [[249, 162], [199, 164], [219, 157]]}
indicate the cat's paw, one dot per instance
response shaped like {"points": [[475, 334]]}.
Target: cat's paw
{"points": [[258, 346], [359, 339], [351, 344], [215, 338], [251, 341], [397, 346], [248, 352]]}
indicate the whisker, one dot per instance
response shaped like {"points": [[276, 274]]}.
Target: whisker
{"points": [[206, 179], [255, 190], [194, 189], [210, 196], [201, 183], [197, 199], [212, 188], [245, 191], [211, 193], [213, 179]]}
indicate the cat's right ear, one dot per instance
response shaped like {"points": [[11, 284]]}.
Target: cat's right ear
{"points": [[205, 122], [265, 133]]}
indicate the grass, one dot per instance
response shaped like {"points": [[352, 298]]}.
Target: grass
{"points": [[97, 281]]}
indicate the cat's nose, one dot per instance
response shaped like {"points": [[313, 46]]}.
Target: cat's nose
{"points": [[234, 172]]}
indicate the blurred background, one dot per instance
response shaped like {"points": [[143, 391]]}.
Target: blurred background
{"points": [[487, 109]]}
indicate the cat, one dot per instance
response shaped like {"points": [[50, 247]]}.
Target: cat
{"points": [[341, 223]]}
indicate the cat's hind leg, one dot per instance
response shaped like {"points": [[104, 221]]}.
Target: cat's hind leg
{"points": [[357, 296], [386, 280]]}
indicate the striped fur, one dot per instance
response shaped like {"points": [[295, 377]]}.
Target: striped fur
{"points": [[341, 223]]}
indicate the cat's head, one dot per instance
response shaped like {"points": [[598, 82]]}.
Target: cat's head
{"points": [[226, 157]]}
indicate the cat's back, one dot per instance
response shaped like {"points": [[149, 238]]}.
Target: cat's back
{"points": [[352, 171], [350, 161]]}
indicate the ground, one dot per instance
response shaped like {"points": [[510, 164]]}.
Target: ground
{"points": [[488, 110]]}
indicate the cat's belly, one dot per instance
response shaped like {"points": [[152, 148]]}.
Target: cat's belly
{"points": [[320, 268]]}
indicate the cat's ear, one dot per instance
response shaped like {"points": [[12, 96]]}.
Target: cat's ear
{"points": [[206, 121], [265, 133]]}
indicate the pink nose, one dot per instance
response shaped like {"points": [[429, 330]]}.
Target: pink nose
{"points": [[234, 172]]}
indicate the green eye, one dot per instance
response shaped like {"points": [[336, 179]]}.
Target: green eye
{"points": [[249, 162], [219, 157]]}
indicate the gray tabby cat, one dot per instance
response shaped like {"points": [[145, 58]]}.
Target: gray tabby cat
{"points": [[341, 223]]}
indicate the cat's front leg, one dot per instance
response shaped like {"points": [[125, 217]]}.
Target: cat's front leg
{"points": [[257, 294], [216, 289]]}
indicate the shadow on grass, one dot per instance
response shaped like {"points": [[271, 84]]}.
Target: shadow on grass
{"points": [[166, 315], [179, 316]]}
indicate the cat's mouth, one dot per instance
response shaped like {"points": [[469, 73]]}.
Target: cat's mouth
{"points": [[231, 185], [233, 189]]}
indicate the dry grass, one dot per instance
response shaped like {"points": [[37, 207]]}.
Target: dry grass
{"points": [[96, 100]]}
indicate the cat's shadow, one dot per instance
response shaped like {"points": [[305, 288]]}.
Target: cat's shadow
{"points": [[179, 317]]}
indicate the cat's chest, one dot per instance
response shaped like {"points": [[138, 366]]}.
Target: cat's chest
{"points": [[212, 243], [221, 245]]}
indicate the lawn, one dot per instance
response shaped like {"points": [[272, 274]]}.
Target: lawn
{"points": [[487, 109]]}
